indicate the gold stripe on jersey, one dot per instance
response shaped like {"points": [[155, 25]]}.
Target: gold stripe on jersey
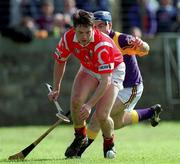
{"points": [[115, 38], [133, 95]]}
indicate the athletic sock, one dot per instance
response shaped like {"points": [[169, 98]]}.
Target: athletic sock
{"points": [[91, 134], [108, 144], [80, 131], [135, 117], [144, 114]]}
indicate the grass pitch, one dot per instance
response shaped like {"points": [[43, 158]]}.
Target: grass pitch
{"points": [[137, 144]]}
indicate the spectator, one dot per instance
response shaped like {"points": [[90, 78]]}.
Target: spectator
{"points": [[69, 10], [93, 5], [153, 5], [139, 15], [176, 4], [135, 31], [177, 25], [87, 5], [24, 32], [69, 7], [58, 25], [45, 21], [30, 8], [58, 6], [103, 5], [62, 20], [166, 16]]}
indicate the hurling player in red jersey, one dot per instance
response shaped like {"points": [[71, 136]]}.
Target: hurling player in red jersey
{"points": [[123, 112], [97, 82]]}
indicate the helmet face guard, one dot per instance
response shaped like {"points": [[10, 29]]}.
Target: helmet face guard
{"points": [[104, 16]]}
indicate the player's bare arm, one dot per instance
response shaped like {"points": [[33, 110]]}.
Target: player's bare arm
{"points": [[59, 69], [141, 47]]}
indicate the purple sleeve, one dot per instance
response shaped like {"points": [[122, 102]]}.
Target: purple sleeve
{"points": [[125, 41]]}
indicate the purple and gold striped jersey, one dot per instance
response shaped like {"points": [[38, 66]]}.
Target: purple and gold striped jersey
{"points": [[124, 43]]}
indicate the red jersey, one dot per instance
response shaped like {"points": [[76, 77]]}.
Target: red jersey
{"points": [[100, 55]]}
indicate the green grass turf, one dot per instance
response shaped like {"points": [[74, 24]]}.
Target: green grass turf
{"points": [[137, 144]]}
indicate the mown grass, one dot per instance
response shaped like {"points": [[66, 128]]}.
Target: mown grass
{"points": [[137, 144]]}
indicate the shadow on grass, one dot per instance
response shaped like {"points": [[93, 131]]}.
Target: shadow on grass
{"points": [[31, 160]]}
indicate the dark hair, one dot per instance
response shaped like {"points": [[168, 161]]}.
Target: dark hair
{"points": [[83, 18]]}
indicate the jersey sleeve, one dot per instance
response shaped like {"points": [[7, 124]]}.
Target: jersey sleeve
{"points": [[61, 53], [126, 44]]}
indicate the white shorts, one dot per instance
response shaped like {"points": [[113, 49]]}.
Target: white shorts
{"points": [[118, 75], [130, 96]]}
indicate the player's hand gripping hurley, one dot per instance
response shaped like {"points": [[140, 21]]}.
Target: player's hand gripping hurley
{"points": [[60, 113]]}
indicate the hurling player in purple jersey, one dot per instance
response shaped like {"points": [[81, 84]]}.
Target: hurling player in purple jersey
{"points": [[123, 112]]}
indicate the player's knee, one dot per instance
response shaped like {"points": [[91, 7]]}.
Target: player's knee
{"points": [[102, 116], [76, 103]]}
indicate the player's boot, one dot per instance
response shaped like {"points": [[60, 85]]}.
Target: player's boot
{"points": [[84, 147], [73, 149], [109, 152], [155, 118]]}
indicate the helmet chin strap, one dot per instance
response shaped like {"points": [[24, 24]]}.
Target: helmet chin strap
{"points": [[110, 28]]}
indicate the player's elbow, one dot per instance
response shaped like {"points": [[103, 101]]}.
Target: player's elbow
{"points": [[146, 47], [144, 50]]}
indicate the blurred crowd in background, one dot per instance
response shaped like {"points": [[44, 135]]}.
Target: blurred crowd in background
{"points": [[152, 16], [24, 20]]}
